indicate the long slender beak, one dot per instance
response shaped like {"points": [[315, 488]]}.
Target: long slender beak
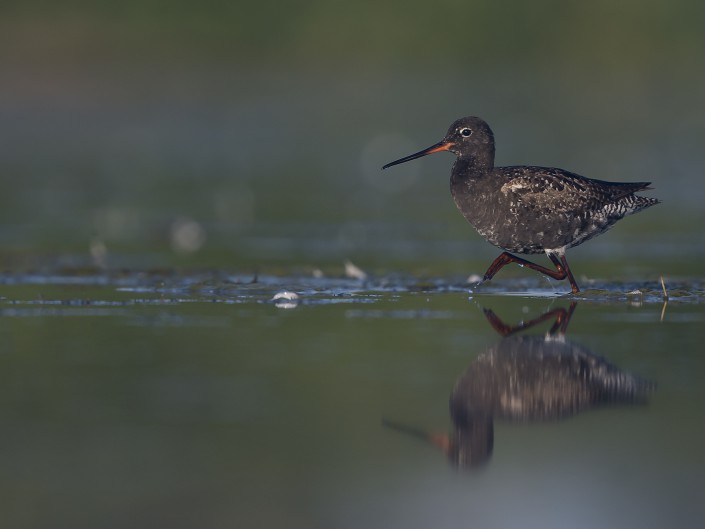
{"points": [[438, 147], [436, 439]]}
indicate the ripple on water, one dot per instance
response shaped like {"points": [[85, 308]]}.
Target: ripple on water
{"points": [[140, 288]]}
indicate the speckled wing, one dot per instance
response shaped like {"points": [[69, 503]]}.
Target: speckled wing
{"points": [[567, 193]]}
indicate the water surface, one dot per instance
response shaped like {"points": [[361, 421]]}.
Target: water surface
{"points": [[193, 399]]}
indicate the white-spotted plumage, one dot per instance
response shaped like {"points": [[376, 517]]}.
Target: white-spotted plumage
{"points": [[528, 209], [532, 209]]}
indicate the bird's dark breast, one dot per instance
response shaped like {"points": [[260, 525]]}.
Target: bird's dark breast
{"points": [[527, 209]]}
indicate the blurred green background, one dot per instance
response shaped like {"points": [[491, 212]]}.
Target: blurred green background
{"points": [[250, 135]]}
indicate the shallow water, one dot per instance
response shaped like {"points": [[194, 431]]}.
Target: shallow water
{"points": [[175, 400]]}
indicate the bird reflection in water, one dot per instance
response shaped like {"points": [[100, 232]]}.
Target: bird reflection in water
{"points": [[525, 379]]}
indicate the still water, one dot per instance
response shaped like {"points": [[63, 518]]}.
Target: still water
{"points": [[144, 399]]}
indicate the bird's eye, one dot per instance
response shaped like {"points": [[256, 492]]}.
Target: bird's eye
{"points": [[465, 132]]}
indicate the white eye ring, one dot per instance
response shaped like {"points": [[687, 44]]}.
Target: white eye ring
{"points": [[465, 132]]}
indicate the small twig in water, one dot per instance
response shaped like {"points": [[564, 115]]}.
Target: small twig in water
{"points": [[663, 286], [665, 298]]}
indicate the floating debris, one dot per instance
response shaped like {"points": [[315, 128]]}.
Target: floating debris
{"points": [[286, 299], [353, 272]]}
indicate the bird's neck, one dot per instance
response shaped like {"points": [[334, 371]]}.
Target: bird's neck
{"points": [[473, 166]]}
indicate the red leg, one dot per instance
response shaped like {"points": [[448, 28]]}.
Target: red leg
{"points": [[573, 285], [560, 326], [562, 264], [561, 317], [561, 272]]}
